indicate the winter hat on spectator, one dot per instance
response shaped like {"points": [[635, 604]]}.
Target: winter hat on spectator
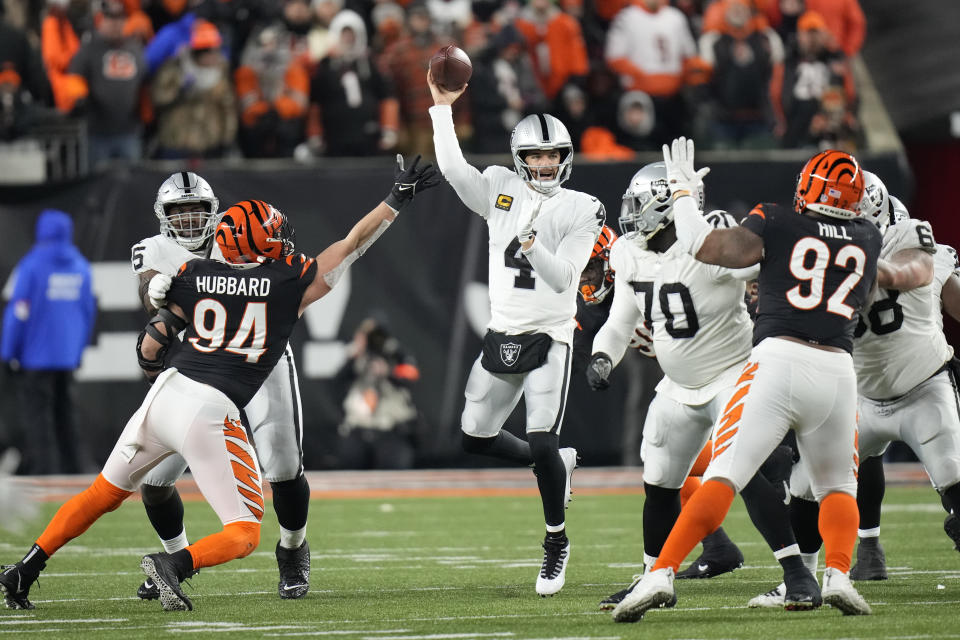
{"points": [[204, 35], [811, 21]]}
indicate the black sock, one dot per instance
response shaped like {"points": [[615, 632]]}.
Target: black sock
{"points": [[661, 508], [164, 509], [183, 561], [551, 475], [291, 501], [557, 536], [35, 560], [504, 445], [871, 485], [951, 499], [768, 513], [805, 518], [791, 563]]}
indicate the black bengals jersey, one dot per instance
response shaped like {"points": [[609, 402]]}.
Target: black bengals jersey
{"points": [[239, 320], [590, 317], [815, 276]]}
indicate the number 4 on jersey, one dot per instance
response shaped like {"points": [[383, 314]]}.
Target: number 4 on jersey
{"points": [[253, 323], [513, 258]]}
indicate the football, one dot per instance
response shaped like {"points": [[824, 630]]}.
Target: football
{"points": [[451, 68]]}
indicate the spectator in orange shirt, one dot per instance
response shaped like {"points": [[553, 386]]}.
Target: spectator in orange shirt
{"points": [[844, 20], [744, 60], [404, 64], [273, 85], [58, 44], [812, 71], [555, 43]]}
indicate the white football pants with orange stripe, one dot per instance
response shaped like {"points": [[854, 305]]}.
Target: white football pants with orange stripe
{"points": [[786, 385], [201, 424], [675, 433]]}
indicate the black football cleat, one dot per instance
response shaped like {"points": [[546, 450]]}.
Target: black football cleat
{"points": [[148, 590], [720, 555], [951, 527], [294, 566], [801, 590], [15, 586], [161, 570], [871, 561]]}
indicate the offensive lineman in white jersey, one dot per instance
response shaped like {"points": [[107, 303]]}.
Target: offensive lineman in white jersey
{"points": [[541, 236], [188, 212], [702, 335], [913, 376]]}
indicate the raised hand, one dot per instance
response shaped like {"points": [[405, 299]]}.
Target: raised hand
{"points": [[408, 181], [680, 173]]}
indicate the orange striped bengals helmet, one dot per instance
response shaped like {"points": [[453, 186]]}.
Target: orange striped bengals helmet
{"points": [[254, 231], [596, 281], [831, 184]]}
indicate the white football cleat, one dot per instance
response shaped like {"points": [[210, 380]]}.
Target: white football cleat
{"points": [[772, 599], [838, 592], [553, 571], [569, 457], [655, 589]]}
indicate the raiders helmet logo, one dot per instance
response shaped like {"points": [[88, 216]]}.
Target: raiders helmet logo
{"points": [[504, 202], [660, 190], [509, 352]]}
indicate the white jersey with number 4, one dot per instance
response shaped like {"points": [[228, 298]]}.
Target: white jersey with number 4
{"points": [[521, 301], [899, 340], [700, 323], [163, 254]]}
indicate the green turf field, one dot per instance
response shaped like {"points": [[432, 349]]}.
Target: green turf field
{"points": [[449, 568]]}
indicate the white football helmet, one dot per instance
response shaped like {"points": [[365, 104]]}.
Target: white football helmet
{"points": [[542, 132], [898, 211], [193, 228], [875, 201], [647, 206]]}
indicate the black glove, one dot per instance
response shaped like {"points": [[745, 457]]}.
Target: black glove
{"points": [[598, 371], [407, 182]]}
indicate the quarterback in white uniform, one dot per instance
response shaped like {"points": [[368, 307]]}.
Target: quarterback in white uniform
{"points": [[540, 238], [187, 209]]}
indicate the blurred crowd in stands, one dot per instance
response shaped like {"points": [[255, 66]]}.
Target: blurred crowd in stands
{"points": [[308, 78]]}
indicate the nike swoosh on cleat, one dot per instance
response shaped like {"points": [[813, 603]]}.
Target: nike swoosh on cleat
{"points": [[703, 567], [288, 587]]}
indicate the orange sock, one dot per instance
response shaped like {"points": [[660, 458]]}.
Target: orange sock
{"points": [[703, 514], [839, 519], [703, 459], [690, 485], [79, 512], [237, 540]]}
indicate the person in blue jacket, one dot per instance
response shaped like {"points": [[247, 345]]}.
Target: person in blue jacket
{"points": [[46, 325]]}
